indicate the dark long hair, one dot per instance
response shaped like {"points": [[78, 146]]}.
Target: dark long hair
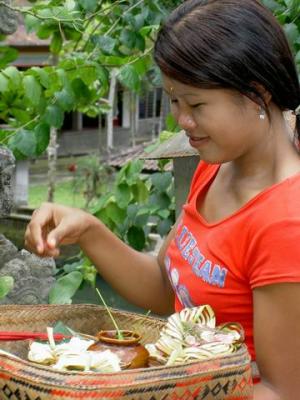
{"points": [[235, 44]]}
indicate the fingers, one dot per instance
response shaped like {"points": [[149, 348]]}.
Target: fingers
{"points": [[36, 235], [56, 236]]}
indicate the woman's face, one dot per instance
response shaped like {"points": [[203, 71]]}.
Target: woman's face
{"points": [[221, 124]]}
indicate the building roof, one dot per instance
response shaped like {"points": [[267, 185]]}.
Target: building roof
{"points": [[133, 153], [177, 146], [22, 38]]}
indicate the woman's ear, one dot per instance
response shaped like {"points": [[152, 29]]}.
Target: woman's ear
{"points": [[260, 95]]}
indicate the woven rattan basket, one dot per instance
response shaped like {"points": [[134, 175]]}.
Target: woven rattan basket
{"points": [[222, 378]]}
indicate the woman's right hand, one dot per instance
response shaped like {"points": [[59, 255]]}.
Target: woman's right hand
{"points": [[53, 225]]}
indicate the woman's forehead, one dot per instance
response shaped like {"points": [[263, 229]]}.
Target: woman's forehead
{"points": [[175, 88], [172, 86]]}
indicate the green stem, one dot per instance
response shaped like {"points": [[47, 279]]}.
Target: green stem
{"points": [[119, 333]]}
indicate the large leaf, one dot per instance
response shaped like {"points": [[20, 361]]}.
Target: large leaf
{"points": [[24, 141], [105, 43], [54, 116], [56, 43], [273, 5], [164, 227], [7, 55], [81, 91], [136, 237], [128, 38], [88, 5], [129, 77], [140, 192], [292, 32], [116, 213], [161, 180], [65, 288], [3, 83], [160, 199], [42, 136], [32, 89], [133, 170], [15, 76], [42, 75], [123, 195], [65, 99], [6, 285], [31, 22]]}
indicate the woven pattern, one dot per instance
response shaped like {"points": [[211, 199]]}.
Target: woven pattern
{"points": [[222, 378]]}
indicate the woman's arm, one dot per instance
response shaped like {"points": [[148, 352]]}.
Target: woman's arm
{"points": [[138, 277], [277, 341]]}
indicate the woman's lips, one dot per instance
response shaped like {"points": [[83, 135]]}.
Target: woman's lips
{"points": [[198, 141]]}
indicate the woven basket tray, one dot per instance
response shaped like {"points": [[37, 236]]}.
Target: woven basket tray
{"points": [[222, 378]]}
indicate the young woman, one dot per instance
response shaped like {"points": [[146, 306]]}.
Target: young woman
{"points": [[229, 72]]}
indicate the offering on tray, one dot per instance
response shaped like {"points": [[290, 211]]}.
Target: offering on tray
{"points": [[192, 335], [73, 355], [127, 347], [188, 335], [109, 351]]}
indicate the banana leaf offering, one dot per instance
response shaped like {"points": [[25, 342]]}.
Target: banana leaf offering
{"points": [[192, 335]]}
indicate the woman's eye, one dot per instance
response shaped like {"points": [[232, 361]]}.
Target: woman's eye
{"points": [[196, 105]]}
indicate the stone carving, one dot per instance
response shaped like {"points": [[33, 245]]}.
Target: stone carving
{"points": [[7, 165], [8, 19], [33, 276]]}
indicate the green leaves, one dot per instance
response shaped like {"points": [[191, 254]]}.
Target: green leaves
{"points": [[288, 14], [136, 238], [32, 89], [292, 32], [23, 144], [129, 77], [54, 116], [3, 83], [65, 99], [72, 277], [88, 5], [7, 55], [6, 285], [135, 201], [42, 136], [105, 43], [65, 288], [87, 39]]}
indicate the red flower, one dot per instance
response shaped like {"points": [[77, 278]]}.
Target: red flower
{"points": [[72, 167]]}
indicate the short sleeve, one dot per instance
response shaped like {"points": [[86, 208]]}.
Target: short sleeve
{"points": [[202, 173], [273, 255]]}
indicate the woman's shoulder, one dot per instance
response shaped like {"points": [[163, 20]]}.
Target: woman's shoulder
{"points": [[203, 173]]}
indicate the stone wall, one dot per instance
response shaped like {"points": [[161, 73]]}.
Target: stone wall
{"points": [[33, 276]]}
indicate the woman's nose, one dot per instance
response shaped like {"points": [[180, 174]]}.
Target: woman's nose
{"points": [[185, 121]]}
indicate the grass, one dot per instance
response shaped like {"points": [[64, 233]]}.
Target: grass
{"points": [[64, 194]]}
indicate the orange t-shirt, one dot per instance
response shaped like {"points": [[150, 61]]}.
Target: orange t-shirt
{"points": [[221, 263]]}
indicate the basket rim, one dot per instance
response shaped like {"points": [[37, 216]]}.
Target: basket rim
{"points": [[242, 351]]}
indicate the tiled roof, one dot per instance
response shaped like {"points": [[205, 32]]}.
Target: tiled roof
{"points": [[133, 153], [21, 37]]}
